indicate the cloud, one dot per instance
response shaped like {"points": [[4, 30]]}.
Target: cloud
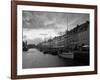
{"points": [[56, 21]]}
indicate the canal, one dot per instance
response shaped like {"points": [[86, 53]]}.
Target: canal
{"points": [[33, 58]]}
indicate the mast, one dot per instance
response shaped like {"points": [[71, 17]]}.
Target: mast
{"points": [[67, 33], [67, 24]]}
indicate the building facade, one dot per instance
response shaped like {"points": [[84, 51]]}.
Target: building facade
{"points": [[72, 39]]}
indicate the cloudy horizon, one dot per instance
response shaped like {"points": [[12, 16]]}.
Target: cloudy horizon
{"points": [[45, 25]]}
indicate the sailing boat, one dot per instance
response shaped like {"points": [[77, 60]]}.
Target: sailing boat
{"points": [[68, 54]]}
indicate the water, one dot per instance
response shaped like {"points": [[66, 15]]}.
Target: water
{"points": [[36, 59]]}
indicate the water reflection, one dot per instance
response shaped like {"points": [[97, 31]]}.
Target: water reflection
{"points": [[34, 58]]}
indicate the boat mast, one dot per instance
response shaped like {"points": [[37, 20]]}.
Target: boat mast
{"points": [[67, 33]]}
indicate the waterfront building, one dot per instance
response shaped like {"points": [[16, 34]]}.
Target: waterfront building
{"points": [[72, 39]]}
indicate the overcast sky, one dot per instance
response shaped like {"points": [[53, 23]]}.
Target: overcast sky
{"points": [[42, 25]]}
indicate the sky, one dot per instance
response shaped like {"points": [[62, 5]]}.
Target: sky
{"points": [[39, 26]]}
